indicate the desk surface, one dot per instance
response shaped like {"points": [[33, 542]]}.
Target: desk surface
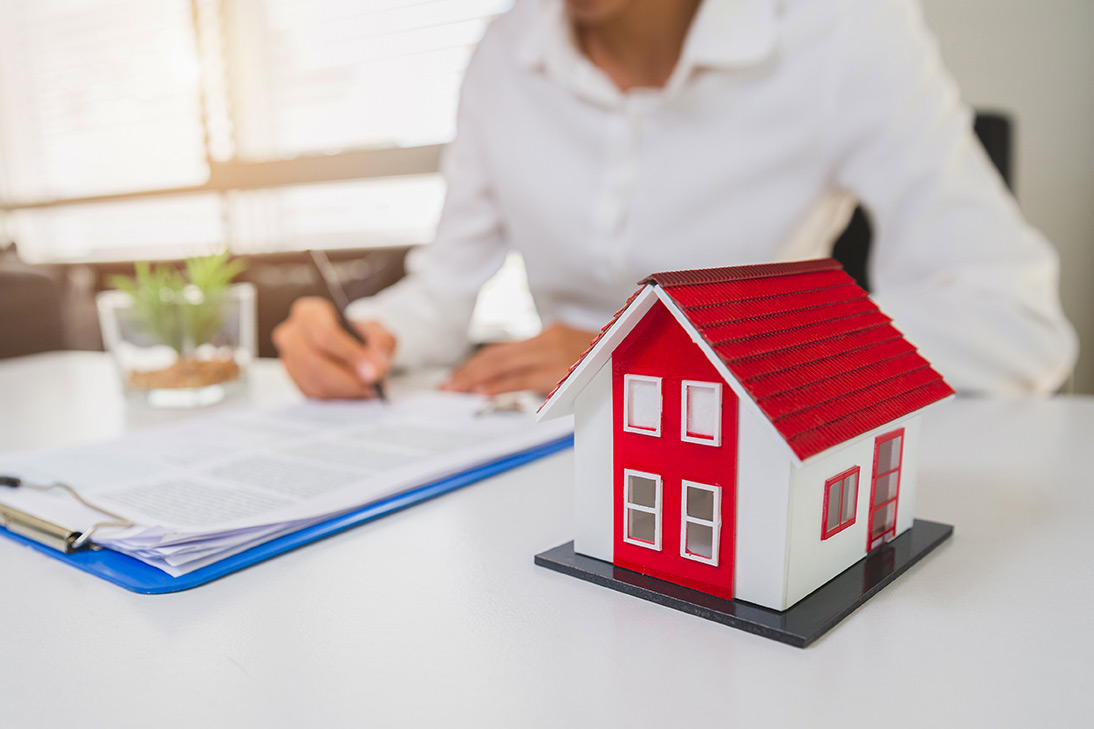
{"points": [[437, 615]]}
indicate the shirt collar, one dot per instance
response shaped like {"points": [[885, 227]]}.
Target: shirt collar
{"points": [[725, 33]]}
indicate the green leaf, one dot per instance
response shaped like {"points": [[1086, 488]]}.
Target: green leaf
{"points": [[158, 298]]}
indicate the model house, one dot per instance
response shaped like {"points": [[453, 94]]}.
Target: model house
{"points": [[749, 432]]}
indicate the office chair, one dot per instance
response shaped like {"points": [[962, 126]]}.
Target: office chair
{"points": [[30, 312]]}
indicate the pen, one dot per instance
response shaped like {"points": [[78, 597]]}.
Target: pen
{"points": [[326, 272]]}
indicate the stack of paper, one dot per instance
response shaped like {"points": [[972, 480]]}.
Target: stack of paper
{"points": [[212, 486]]}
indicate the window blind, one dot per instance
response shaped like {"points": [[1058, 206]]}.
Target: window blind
{"points": [[120, 97], [98, 97]]}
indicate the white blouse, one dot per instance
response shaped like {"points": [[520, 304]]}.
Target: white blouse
{"points": [[779, 115]]}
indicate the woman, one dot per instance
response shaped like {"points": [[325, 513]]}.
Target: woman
{"points": [[607, 139]]}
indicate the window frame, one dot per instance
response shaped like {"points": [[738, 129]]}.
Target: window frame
{"points": [[855, 471], [685, 519], [627, 427], [716, 440], [657, 510]]}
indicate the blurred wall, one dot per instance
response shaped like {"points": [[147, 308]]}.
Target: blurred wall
{"points": [[1035, 60]]}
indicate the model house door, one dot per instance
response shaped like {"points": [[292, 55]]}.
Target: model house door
{"points": [[885, 488]]}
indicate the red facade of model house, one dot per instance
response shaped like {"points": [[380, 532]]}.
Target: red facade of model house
{"points": [[658, 348]]}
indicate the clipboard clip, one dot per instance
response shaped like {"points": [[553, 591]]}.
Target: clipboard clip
{"points": [[49, 533]]}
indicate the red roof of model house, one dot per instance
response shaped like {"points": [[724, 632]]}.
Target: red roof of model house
{"points": [[809, 346]]}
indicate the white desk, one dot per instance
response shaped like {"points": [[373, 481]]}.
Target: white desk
{"points": [[437, 617]]}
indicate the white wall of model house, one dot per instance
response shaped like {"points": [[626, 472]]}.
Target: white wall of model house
{"points": [[763, 493], [814, 561], [593, 467]]}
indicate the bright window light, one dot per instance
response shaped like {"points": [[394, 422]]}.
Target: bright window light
{"points": [[114, 98]]}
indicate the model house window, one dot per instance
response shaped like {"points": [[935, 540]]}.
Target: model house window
{"points": [[642, 404], [642, 509], [840, 499], [701, 412], [700, 522], [886, 486]]}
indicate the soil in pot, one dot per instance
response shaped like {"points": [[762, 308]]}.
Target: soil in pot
{"points": [[186, 373]]}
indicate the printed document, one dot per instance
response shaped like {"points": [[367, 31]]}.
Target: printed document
{"points": [[214, 485]]}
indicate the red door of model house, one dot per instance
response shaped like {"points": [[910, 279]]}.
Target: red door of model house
{"points": [[675, 450], [885, 488]]}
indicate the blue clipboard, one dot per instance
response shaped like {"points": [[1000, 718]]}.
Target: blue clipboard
{"points": [[134, 575]]}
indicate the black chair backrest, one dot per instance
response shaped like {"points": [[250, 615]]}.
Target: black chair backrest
{"points": [[852, 248]]}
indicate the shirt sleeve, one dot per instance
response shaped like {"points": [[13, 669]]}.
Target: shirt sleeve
{"points": [[429, 310], [952, 261]]}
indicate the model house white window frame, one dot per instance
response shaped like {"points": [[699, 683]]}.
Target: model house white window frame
{"points": [[629, 506], [843, 522], [685, 399], [627, 427], [715, 524]]}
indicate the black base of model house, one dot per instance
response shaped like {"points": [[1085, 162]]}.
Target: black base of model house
{"points": [[799, 626]]}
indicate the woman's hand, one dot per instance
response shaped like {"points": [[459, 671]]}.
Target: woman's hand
{"points": [[323, 359], [533, 364]]}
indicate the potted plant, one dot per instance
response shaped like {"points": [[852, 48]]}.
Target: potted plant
{"points": [[180, 339]]}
